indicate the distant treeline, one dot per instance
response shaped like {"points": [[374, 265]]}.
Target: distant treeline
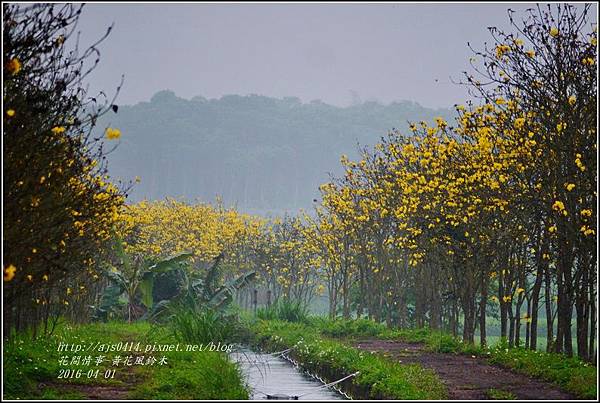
{"points": [[265, 155]]}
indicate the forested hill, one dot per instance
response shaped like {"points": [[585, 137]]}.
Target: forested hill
{"points": [[264, 155]]}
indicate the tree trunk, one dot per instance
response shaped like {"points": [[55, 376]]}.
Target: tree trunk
{"points": [[482, 309], [592, 338], [549, 317], [535, 298]]}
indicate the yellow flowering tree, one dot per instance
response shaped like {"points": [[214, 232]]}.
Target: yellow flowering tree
{"points": [[59, 204]]}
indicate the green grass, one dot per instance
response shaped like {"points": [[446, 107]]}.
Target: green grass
{"points": [[540, 346], [571, 374], [378, 378], [31, 367], [203, 326], [497, 394], [284, 310], [192, 376]]}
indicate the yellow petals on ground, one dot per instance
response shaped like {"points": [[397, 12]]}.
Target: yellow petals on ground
{"points": [[9, 272], [112, 134]]}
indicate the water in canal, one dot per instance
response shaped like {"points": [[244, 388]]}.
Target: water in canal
{"points": [[272, 375]]}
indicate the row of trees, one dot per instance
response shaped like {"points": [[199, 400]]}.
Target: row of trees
{"points": [[275, 249], [59, 205], [496, 211]]}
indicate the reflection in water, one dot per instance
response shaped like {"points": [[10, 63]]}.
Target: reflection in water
{"points": [[270, 375]]}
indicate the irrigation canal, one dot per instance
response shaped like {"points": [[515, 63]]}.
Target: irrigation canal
{"points": [[270, 376]]}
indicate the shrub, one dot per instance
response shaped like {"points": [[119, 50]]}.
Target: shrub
{"points": [[284, 310]]}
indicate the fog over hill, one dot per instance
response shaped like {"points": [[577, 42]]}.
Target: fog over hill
{"points": [[264, 155]]}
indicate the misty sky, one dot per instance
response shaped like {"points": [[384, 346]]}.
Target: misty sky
{"points": [[339, 53]]}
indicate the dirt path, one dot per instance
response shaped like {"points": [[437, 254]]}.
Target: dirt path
{"points": [[467, 377]]}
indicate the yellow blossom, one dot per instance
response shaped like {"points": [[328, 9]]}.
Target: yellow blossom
{"points": [[519, 123], [572, 100], [13, 66], [112, 134], [530, 53], [58, 129], [588, 61], [553, 31], [501, 50], [9, 272], [570, 186], [558, 205], [10, 113]]}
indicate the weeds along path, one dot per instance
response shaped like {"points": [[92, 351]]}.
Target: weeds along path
{"points": [[467, 377]]}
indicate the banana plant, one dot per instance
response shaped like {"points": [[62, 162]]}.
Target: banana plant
{"points": [[137, 274], [200, 291]]}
